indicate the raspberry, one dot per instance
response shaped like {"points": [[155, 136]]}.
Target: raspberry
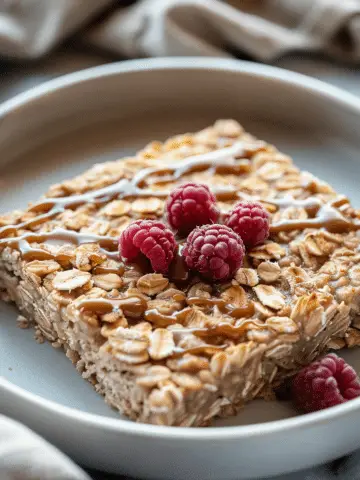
{"points": [[250, 220], [325, 383], [189, 206], [151, 238], [215, 251]]}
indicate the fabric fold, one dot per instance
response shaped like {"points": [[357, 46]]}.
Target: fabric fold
{"points": [[262, 29], [26, 456]]}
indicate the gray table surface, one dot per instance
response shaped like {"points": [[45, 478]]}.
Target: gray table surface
{"points": [[15, 78]]}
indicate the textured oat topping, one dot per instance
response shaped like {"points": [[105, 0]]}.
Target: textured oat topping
{"points": [[177, 349]]}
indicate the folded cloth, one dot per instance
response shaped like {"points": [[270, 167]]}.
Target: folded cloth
{"points": [[26, 456], [263, 29], [30, 28]]}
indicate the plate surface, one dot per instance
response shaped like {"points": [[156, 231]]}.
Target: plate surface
{"points": [[56, 131]]}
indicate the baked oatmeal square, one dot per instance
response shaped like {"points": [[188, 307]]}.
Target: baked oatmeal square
{"points": [[176, 348]]}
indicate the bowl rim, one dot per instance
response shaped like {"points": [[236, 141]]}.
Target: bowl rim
{"points": [[124, 426]]}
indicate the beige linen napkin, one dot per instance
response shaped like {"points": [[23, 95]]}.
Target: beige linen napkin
{"points": [[26, 456], [263, 29], [30, 28]]}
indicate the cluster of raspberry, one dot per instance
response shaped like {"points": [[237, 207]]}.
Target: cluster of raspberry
{"points": [[215, 250]]}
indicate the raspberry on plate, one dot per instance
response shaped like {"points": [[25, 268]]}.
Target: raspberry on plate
{"points": [[151, 238], [325, 383], [191, 205], [215, 251], [250, 220]]}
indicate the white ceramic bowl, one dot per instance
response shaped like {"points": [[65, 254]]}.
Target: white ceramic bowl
{"points": [[55, 131]]}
